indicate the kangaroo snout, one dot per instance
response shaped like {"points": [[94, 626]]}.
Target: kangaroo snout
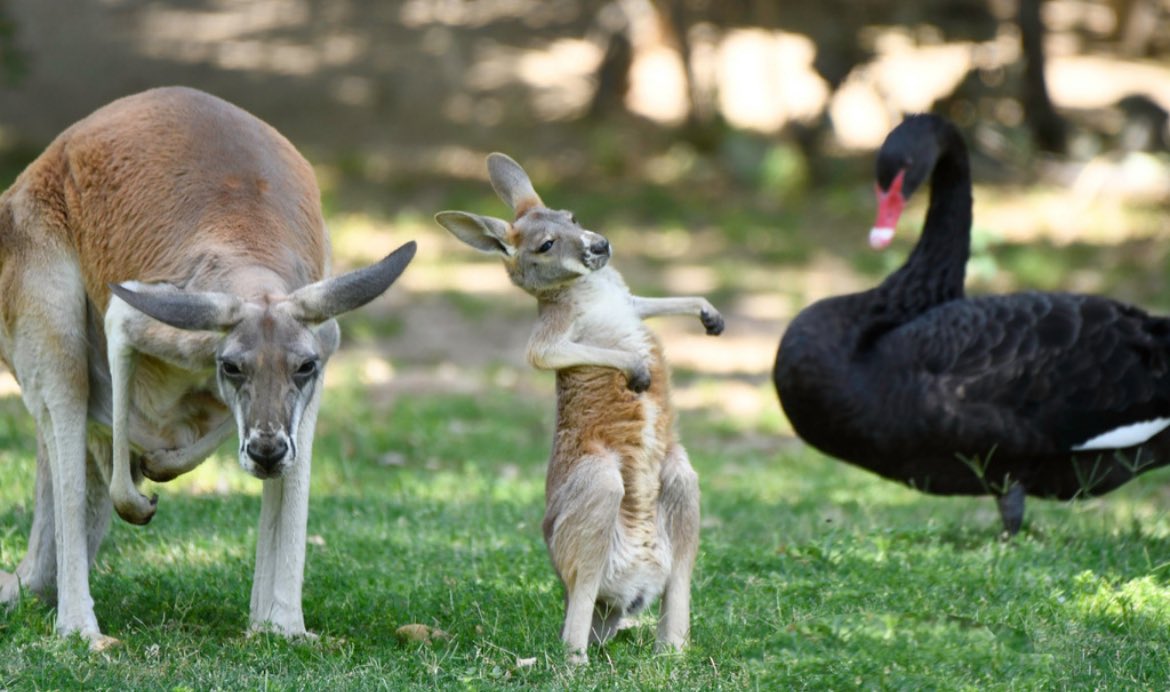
{"points": [[599, 246], [597, 251], [267, 450]]}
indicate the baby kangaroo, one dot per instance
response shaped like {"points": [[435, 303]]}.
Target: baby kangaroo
{"points": [[622, 501]]}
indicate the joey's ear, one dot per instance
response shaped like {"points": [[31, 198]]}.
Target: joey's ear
{"points": [[330, 297], [511, 183], [184, 310], [484, 233]]}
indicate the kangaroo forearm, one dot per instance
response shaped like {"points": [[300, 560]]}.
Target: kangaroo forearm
{"points": [[571, 354], [682, 305]]}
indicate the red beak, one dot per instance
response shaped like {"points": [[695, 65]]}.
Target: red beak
{"points": [[890, 206]]}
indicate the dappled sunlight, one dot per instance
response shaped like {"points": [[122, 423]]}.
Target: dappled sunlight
{"points": [[361, 238], [860, 109], [825, 275], [1139, 508], [351, 371], [690, 279], [227, 38], [218, 475], [748, 408], [376, 371], [1095, 81], [479, 278], [916, 75], [560, 76], [470, 485], [418, 14], [766, 78], [772, 307], [727, 354], [1064, 215], [197, 552], [1127, 603], [8, 384], [658, 88]]}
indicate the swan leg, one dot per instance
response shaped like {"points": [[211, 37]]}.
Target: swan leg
{"points": [[1011, 509]]}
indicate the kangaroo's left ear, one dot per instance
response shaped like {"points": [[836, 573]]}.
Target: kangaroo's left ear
{"points": [[328, 298], [511, 183], [484, 233]]}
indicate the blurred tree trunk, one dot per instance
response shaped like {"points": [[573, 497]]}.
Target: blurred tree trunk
{"points": [[613, 75], [1048, 130], [1137, 22], [702, 126]]}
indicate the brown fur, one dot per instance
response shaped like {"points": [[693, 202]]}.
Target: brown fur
{"points": [[96, 185], [597, 414]]}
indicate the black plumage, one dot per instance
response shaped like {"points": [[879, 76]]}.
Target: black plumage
{"points": [[959, 395]]}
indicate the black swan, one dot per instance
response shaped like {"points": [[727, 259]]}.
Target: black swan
{"points": [[1054, 395]]}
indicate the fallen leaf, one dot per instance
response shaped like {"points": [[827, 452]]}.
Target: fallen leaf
{"points": [[103, 643], [420, 633]]}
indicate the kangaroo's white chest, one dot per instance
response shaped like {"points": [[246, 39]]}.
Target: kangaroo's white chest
{"points": [[605, 315]]}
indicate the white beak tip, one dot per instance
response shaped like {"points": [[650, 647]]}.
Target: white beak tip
{"points": [[880, 237]]}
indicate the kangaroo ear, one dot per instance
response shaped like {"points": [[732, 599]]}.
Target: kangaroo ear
{"points": [[511, 183], [484, 233], [183, 310], [328, 298]]}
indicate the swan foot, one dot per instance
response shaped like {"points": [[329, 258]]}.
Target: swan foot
{"points": [[1011, 509]]}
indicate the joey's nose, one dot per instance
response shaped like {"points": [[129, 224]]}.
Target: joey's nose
{"points": [[267, 450], [599, 247]]}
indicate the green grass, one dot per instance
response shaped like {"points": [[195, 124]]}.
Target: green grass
{"points": [[426, 509]]}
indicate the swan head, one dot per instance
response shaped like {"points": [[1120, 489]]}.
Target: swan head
{"points": [[904, 162]]}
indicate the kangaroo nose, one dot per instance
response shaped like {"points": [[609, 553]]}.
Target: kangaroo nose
{"points": [[600, 247], [267, 450]]}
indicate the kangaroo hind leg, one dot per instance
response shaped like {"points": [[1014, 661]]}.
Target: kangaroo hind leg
{"points": [[579, 523], [679, 504]]}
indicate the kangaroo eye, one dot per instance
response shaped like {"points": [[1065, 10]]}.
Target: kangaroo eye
{"points": [[572, 219], [230, 369], [307, 369], [545, 246]]}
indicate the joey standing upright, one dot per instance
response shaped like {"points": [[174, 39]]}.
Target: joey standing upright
{"points": [[622, 501]]}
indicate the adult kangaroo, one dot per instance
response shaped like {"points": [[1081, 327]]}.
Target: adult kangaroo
{"points": [[164, 272]]}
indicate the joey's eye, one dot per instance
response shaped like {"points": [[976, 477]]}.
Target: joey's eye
{"points": [[230, 369], [572, 219], [545, 246], [307, 369]]}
